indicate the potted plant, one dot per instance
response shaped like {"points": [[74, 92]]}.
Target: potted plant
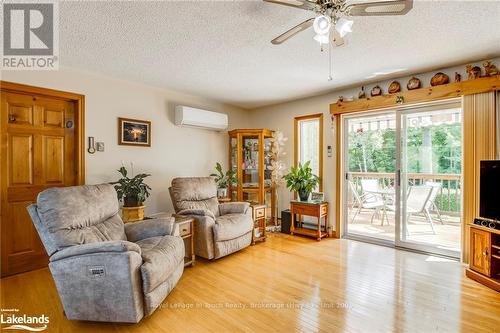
{"points": [[133, 192], [223, 180], [301, 180]]}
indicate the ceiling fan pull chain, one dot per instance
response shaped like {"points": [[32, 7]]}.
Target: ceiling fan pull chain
{"points": [[330, 74]]}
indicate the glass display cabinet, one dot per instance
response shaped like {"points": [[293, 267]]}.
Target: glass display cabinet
{"points": [[250, 159]]}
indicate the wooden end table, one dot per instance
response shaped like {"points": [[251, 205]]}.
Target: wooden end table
{"points": [[224, 200], [186, 232], [309, 208], [259, 221]]}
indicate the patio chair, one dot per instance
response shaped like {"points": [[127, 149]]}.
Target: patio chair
{"points": [[369, 185], [418, 201], [365, 201], [431, 204]]}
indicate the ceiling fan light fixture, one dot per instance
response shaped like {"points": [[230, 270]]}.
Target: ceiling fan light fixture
{"points": [[343, 26], [322, 24], [322, 39]]}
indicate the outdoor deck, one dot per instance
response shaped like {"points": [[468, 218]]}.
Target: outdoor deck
{"points": [[447, 235]]}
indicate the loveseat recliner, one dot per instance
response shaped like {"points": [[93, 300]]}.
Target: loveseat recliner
{"points": [[220, 229], [105, 270]]}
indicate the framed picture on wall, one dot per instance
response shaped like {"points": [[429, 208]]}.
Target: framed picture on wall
{"points": [[133, 132]]}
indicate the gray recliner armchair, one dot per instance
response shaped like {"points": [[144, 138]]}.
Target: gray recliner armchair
{"points": [[105, 270], [220, 229]]}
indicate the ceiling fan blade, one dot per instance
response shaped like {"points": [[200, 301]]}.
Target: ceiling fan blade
{"points": [[336, 39], [292, 32], [398, 7], [302, 4]]}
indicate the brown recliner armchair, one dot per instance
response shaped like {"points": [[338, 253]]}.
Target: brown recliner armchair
{"points": [[220, 229]]}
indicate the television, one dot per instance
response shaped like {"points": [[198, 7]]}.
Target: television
{"points": [[489, 190]]}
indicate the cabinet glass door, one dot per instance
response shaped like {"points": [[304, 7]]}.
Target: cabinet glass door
{"points": [[234, 167], [267, 163], [250, 162]]}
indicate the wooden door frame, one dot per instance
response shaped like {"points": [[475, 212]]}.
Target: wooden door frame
{"points": [[78, 99], [296, 120]]}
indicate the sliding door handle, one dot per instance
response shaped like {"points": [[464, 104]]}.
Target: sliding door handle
{"points": [[398, 178]]}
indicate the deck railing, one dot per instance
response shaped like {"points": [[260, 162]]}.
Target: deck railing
{"points": [[448, 199]]}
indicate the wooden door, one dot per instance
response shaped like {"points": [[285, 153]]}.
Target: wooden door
{"points": [[480, 243], [39, 150]]}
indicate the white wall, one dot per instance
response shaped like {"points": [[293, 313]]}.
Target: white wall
{"points": [[175, 151], [281, 116]]}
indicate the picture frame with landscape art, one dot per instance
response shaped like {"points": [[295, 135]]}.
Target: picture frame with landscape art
{"points": [[318, 196], [134, 132]]}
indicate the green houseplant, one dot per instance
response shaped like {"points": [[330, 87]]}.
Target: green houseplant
{"points": [[223, 180], [132, 191], [301, 180]]}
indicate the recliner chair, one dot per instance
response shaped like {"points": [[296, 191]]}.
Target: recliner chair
{"points": [[220, 229], [105, 270]]}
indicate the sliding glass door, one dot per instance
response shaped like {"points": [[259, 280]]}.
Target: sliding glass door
{"points": [[370, 164], [403, 177], [430, 179]]}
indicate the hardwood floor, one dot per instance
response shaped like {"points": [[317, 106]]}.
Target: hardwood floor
{"points": [[289, 284]]}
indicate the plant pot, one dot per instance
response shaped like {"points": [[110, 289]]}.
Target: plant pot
{"points": [[131, 202], [222, 193], [132, 214], [304, 195]]}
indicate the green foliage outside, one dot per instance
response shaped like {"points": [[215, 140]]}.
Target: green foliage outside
{"points": [[374, 151]]}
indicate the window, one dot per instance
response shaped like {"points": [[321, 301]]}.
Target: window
{"points": [[308, 140]]}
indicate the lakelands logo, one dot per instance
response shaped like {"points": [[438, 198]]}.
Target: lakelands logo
{"points": [[30, 35], [16, 321]]}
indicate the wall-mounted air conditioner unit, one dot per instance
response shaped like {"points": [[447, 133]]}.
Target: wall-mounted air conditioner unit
{"points": [[192, 117]]}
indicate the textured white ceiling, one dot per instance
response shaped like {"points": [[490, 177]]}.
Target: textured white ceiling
{"points": [[222, 49]]}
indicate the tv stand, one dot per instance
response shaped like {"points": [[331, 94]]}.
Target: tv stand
{"points": [[484, 256]]}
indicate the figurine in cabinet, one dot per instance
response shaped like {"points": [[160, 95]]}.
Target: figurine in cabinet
{"points": [[458, 77]]}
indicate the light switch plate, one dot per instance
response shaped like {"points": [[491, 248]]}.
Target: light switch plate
{"points": [[100, 146]]}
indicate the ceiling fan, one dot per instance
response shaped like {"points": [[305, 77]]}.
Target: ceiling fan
{"points": [[336, 13]]}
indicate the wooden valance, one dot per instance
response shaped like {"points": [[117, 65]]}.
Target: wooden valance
{"points": [[457, 89]]}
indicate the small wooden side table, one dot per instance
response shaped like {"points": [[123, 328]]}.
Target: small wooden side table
{"points": [[309, 208], [224, 200], [259, 221], [186, 231]]}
